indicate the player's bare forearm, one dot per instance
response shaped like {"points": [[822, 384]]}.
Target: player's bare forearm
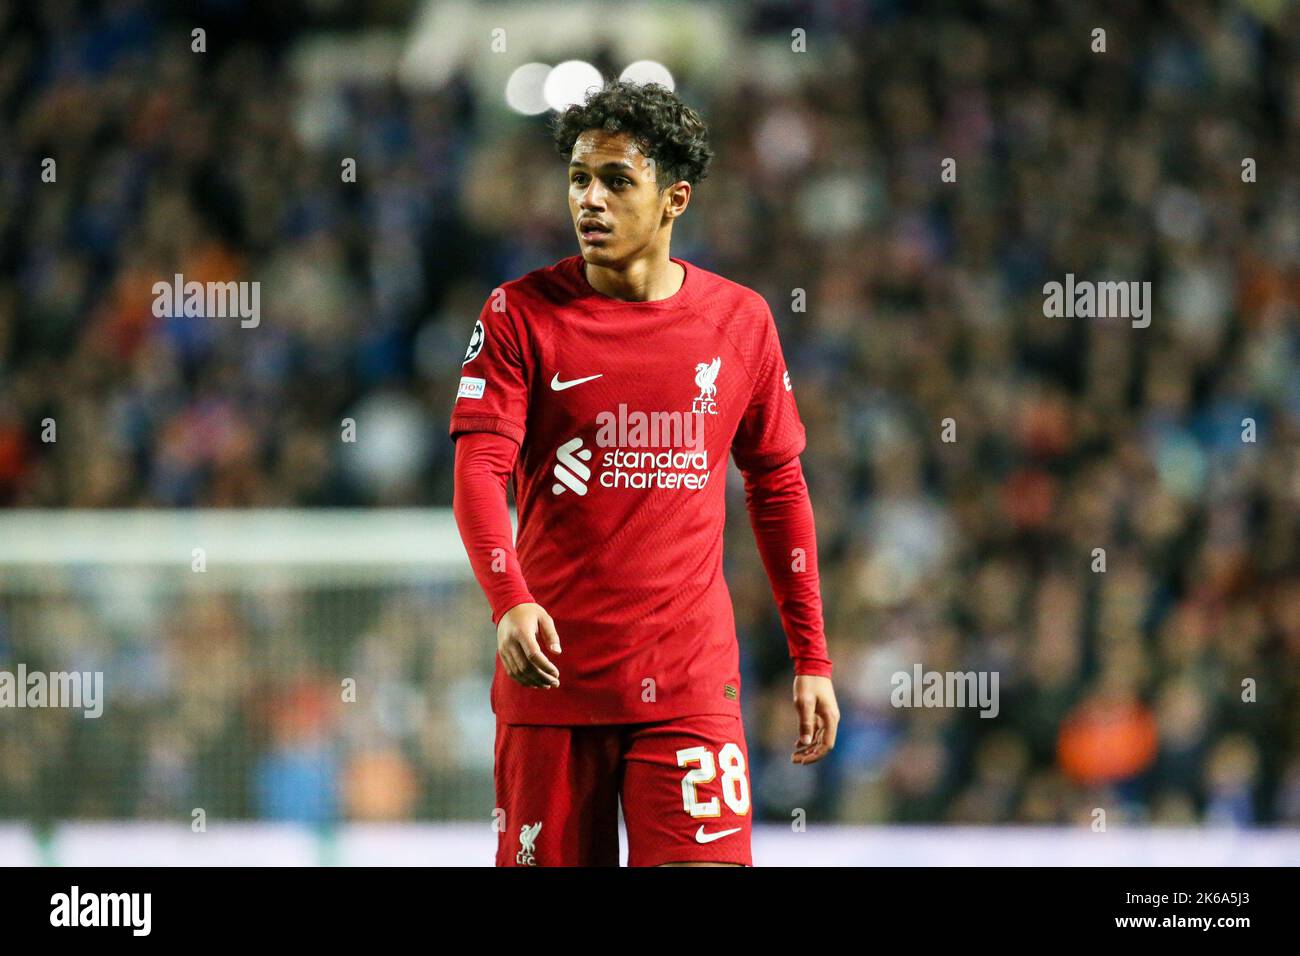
{"points": [[819, 718]]}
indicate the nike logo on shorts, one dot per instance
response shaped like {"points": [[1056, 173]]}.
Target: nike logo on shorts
{"points": [[558, 386], [702, 837]]}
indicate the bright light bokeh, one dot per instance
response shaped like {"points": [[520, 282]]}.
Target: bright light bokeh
{"points": [[524, 89], [569, 82], [648, 71]]}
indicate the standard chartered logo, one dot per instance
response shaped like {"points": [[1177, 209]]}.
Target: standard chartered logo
{"points": [[570, 468], [639, 451]]}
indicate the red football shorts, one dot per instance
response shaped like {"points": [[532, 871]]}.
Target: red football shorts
{"points": [[683, 783]]}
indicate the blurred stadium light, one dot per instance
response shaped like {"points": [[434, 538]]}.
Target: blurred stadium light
{"points": [[704, 35]]}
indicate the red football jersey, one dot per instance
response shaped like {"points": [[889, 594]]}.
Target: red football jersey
{"points": [[625, 413]]}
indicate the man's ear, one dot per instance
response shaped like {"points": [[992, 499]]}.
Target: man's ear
{"points": [[678, 198]]}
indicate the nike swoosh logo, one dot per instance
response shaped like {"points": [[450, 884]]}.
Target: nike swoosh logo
{"points": [[558, 386], [702, 837]]}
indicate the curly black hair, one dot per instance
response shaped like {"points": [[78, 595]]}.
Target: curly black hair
{"points": [[664, 128]]}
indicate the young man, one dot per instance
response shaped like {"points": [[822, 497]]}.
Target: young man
{"points": [[613, 385]]}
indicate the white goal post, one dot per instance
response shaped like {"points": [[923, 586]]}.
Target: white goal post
{"points": [[318, 542]]}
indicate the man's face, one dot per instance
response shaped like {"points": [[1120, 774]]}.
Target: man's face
{"points": [[616, 204]]}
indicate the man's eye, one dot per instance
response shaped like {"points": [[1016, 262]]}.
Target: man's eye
{"points": [[579, 179], [621, 181]]}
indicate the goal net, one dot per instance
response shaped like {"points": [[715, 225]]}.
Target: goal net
{"points": [[304, 666]]}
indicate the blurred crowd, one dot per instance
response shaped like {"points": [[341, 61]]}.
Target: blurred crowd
{"points": [[1106, 516]]}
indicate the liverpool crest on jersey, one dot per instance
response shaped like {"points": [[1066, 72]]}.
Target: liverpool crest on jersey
{"points": [[706, 377]]}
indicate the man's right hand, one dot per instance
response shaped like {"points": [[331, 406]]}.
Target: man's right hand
{"points": [[518, 644]]}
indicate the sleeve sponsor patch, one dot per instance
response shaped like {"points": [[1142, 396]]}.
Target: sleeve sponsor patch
{"points": [[471, 387]]}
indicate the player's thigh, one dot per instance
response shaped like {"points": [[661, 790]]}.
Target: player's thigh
{"points": [[686, 792], [557, 795]]}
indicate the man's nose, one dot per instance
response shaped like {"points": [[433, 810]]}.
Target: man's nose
{"points": [[593, 197]]}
